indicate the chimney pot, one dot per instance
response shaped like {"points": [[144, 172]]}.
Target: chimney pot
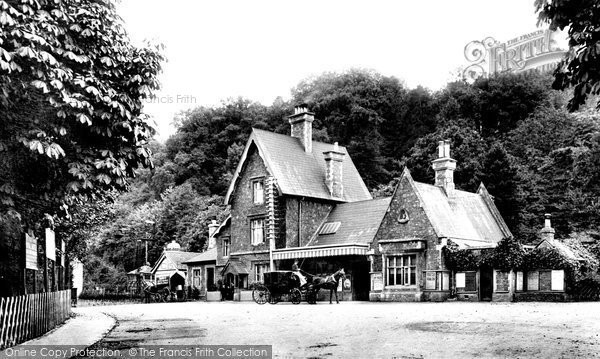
{"points": [[301, 126], [333, 171], [547, 233], [444, 167]]}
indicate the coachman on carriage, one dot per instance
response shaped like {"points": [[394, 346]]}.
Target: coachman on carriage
{"points": [[280, 285]]}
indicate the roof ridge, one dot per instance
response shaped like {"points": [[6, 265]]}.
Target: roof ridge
{"points": [[289, 136]]}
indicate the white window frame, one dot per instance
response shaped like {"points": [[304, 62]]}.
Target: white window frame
{"points": [[258, 191], [259, 272], [226, 246], [197, 277], [407, 263], [257, 231]]}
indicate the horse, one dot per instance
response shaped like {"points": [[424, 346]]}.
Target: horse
{"points": [[330, 282]]}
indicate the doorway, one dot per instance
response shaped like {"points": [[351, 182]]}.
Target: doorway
{"points": [[486, 288]]}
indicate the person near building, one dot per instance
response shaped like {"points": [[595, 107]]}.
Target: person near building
{"points": [[297, 272]]}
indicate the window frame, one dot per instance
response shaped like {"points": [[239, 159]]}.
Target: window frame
{"points": [[258, 199], [442, 280], [197, 277], [259, 277], [465, 289], [254, 230], [405, 270], [226, 247]]}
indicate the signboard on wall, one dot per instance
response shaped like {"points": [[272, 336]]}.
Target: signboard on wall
{"points": [[50, 244], [377, 281], [460, 280], [430, 280], [31, 252], [62, 252]]}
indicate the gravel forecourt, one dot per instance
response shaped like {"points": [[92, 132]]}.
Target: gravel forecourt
{"points": [[367, 330]]}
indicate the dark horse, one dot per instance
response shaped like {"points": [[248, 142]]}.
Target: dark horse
{"points": [[330, 282]]}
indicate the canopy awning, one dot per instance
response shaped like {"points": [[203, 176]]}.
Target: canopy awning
{"points": [[321, 251], [235, 268]]}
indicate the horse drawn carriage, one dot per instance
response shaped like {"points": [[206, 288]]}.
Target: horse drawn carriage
{"points": [[161, 293], [156, 293], [280, 285]]}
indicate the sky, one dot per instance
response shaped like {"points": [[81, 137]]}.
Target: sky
{"points": [[261, 49]]}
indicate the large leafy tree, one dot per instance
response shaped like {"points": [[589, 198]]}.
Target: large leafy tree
{"points": [[493, 106], [71, 95], [373, 115], [580, 68], [207, 137]]}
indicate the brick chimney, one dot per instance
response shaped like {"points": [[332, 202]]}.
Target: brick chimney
{"points": [[333, 171], [444, 167], [212, 228], [301, 122], [547, 232]]}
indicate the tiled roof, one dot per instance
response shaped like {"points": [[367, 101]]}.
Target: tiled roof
{"points": [[178, 257], [359, 222], [235, 266], [469, 219], [209, 255], [299, 173], [563, 248], [142, 269]]}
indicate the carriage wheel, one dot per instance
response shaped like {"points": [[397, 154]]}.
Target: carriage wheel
{"points": [[261, 295], [296, 296], [275, 298]]}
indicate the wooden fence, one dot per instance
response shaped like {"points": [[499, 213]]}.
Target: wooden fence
{"points": [[29, 316]]}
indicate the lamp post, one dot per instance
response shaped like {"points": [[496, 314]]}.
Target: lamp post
{"points": [[146, 240]]}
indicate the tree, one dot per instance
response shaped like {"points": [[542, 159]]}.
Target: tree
{"points": [[494, 106], [362, 110], [71, 95], [579, 69], [467, 147], [499, 174]]}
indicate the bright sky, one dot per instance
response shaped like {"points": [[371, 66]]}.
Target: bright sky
{"points": [[261, 49]]}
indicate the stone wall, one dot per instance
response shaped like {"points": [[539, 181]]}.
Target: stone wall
{"points": [[418, 227], [312, 214], [243, 208]]}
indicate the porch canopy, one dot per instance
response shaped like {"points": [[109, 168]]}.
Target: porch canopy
{"points": [[235, 267], [321, 251]]}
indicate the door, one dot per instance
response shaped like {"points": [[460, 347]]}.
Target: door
{"points": [[210, 278], [486, 288]]}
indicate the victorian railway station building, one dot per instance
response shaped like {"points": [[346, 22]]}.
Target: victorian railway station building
{"points": [[293, 198]]}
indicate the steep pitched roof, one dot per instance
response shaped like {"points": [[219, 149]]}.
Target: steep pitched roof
{"points": [[175, 258], [208, 256], [299, 173], [563, 248], [358, 222], [142, 269], [470, 219]]}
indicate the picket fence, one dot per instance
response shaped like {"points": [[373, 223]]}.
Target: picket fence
{"points": [[28, 316]]}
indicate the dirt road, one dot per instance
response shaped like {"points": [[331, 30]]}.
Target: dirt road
{"points": [[368, 330]]}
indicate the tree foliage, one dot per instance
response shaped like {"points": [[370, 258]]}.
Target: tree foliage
{"points": [[71, 93], [579, 69]]}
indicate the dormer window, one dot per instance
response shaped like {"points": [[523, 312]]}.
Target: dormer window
{"points": [[258, 191]]}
